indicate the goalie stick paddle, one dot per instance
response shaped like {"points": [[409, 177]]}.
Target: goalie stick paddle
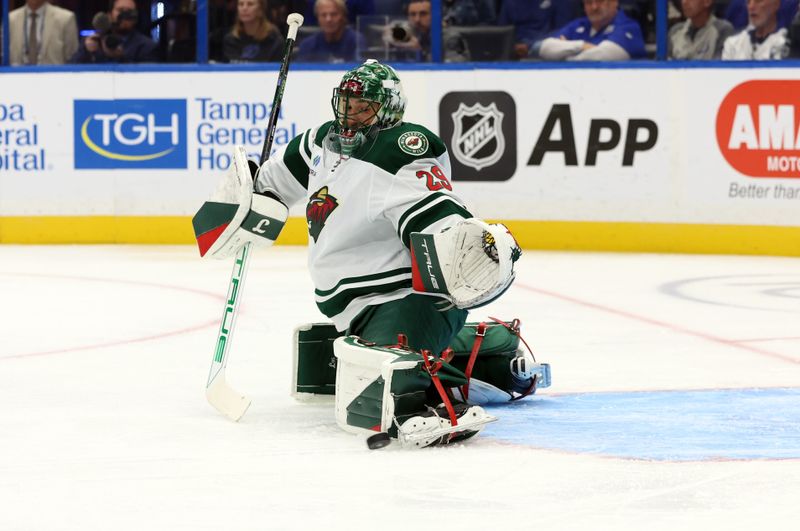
{"points": [[222, 396]]}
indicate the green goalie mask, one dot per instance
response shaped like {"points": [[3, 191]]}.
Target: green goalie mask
{"points": [[369, 98]]}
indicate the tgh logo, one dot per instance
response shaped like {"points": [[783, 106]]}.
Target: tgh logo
{"points": [[479, 129], [130, 134]]}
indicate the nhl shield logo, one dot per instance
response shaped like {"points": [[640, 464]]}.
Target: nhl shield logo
{"points": [[478, 139]]}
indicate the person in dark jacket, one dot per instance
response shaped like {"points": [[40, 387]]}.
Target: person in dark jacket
{"points": [[253, 38], [117, 40]]}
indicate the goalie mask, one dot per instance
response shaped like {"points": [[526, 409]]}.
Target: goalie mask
{"points": [[369, 98]]}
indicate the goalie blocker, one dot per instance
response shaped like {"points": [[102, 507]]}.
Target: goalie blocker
{"points": [[236, 215]]}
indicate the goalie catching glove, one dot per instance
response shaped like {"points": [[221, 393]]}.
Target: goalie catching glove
{"points": [[472, 262], [236, 215]]}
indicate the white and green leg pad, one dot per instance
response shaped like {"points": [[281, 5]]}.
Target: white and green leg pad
{"points": [[385, 389], [502, 372], [314, 374]]}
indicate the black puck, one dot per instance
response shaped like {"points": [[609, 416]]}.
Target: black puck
{"points": [[379, 440]]}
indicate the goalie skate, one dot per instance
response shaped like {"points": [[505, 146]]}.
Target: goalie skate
{"points": [[434, 427]]}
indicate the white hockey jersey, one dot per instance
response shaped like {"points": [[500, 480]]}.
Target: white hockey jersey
{"points": [[361, 211], [744, 46]]}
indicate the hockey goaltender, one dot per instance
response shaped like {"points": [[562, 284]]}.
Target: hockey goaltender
{"points": [[396, 259]]}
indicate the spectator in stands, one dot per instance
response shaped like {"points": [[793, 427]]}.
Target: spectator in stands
{"points": [[604, 34], [412, 41], [763, 38], [737, 13], [535, 20], [355, 8], [701, 35], [336, 42], [116, 39], [252, 38], [468, 12], [41, 34]]}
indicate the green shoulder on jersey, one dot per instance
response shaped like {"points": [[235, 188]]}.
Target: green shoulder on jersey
{"points": [[391, 152], [386, 152]]}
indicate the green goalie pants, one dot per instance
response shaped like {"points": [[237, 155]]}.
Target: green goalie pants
{"points": [[416, 316], [426, 327]]}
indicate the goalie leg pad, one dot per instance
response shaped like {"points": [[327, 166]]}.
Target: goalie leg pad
{"points": [[502, 370], [383, 389], [235, 215], [314, 362], [472, 263]]}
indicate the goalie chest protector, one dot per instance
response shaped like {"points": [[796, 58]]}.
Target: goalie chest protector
{"points": [[360, 211]]}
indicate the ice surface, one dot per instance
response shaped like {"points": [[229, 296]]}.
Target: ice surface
{"points": [[104, 354]]}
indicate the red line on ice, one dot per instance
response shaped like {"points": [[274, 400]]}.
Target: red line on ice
{"points": [[762, 339], [115, 343], [120, 341], [662, 324]]}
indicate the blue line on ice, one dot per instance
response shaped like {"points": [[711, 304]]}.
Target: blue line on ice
{"points": [[658, 425]]}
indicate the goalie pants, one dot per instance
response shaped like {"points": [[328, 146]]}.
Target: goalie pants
{"points": [[416, 316]]}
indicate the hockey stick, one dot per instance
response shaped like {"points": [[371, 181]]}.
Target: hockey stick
{"points": [[222, 396]]}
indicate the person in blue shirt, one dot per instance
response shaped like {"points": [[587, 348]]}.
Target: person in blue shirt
{"points": [[533, 20], [604, 34], [336, 42], [737, 13], [355, 8]]}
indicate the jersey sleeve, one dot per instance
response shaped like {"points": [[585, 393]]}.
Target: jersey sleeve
{"points": [[286, 174], [421, 199], [553, 49], [605, 51]]}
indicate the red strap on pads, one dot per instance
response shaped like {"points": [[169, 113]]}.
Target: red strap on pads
{"points": [[480, 332], [432, 369]]}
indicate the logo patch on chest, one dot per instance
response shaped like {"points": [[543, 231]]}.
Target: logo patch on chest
{"points": [[319, 207], [413, 143]]}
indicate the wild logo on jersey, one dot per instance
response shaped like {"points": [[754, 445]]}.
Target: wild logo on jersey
{"points": [[319, 207], [413, 142]]}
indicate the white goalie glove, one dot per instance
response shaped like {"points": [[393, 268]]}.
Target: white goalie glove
{"points": [[235, 215], [472, 262]]}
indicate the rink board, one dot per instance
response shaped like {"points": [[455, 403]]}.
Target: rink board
{"points": [[686, 160]]}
